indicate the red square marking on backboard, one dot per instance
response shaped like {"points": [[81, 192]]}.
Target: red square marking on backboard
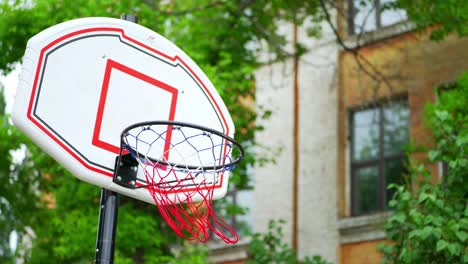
{"points": [[113, 65]]}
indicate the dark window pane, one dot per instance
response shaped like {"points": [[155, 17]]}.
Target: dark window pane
{"points": [[396, 128], [391, 16], [378, 138], [366, 190], [394, 171], [445, 168], [364, 16], [365, 134]]}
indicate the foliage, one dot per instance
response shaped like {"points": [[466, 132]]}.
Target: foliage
{"points": [[268, 248], [191, 254], [447, 15], [18, 197], [63, 211], [430, 221]]}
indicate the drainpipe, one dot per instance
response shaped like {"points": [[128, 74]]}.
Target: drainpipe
{"points": [[295, 131]]}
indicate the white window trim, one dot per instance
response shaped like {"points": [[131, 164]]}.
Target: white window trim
{"points": [[218, 251], [363, 228], [366, 38]]}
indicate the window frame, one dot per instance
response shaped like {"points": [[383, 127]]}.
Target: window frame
{"points": [[377, 18], [379, 161]]}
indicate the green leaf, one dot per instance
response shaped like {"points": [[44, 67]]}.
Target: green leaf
{"points": [[406, 196], [462, 235], [442, 114], [455, 249], [433, 155], [416, 216], [437, 232], [462, 140], [441, 245], [400, 218], [426, 232], [415, 233]]}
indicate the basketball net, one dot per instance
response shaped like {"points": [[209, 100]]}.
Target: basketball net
{"points": [[182, 184]]}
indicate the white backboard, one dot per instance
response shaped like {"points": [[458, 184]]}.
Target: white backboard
{"points": [[85, 80]]}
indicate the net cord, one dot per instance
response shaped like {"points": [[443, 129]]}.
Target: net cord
{"points": [[174, 198]]}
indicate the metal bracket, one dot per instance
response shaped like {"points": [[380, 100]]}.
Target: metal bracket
{"points": [[126, 169]]}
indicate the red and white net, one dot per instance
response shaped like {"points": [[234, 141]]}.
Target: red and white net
{"points": [[183, 165]]}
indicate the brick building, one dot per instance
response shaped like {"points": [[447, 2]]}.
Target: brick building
{"points": [[383, 87], [358, 104]]}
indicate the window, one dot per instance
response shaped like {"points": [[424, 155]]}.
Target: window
{"points": [[370, 15], [378, 136]]}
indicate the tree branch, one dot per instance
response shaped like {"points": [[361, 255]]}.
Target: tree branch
{"points": [[371, 70], [190, 10]]}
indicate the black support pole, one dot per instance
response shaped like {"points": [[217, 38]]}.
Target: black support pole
{"points": [[108, 212], [107, 226], [131, 18]]}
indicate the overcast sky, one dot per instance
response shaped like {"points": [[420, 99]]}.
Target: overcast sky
{"points": [[10, 82]]}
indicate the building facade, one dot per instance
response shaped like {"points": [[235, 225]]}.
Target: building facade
{"points": [[312, 141], [342, 115], [385, 81]]}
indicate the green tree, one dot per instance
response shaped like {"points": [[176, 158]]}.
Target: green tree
{"points": [[268, 247], [216, 34], [430, 221], [446, 16], [19, 199]]}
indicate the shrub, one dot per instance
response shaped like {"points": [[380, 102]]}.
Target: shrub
{"points": [[430, 221]]}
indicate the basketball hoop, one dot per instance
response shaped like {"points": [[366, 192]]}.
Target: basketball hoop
{"points": [[179, 167], [182, 164]]}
